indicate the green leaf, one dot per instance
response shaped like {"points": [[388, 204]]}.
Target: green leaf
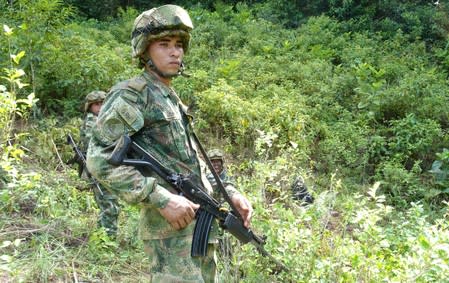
{"points": [[7, 30], [18, 57], [17, 74], [424, 242]]}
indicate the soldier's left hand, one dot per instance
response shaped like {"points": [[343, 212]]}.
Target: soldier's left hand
{"points": [[244, 207]]}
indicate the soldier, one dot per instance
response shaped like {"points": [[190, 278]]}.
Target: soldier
{"points": [[3, 178], [107, 202], [216, 157], [148, 110], [300, 191]]}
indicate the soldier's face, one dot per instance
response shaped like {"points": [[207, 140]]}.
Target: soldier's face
{"points": [[218, 165], [167, 54], [96, 107]]}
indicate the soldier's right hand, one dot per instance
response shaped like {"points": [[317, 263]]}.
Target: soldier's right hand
{"points": [[179, 211]]}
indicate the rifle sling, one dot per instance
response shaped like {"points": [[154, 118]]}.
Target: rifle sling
{"points": [[216, 177], [220, 186]]}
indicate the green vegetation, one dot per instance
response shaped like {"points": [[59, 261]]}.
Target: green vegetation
{"points": [[352, 95]]}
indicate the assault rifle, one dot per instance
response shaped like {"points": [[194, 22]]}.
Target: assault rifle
{"points": [[190, 187], [80, 159]]}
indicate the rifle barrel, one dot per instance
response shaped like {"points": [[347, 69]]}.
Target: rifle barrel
{"points": [[81, 157]]}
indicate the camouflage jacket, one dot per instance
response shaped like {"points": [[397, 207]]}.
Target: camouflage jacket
{"points": [[86, 130], [152, 114], [225, 179], [228, 184]]}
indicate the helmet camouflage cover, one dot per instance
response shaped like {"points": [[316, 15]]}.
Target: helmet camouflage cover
{"points": [[215, 154], [92, 97], [166, 20]]}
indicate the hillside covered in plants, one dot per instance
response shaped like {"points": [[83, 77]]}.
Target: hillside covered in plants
{"points": [[351, 95]]}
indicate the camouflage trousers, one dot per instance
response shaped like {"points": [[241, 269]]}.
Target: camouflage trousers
{"points": [[170, 261], [109, 211]]}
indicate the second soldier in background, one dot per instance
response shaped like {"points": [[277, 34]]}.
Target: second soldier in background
{"points": [[107, 202]]}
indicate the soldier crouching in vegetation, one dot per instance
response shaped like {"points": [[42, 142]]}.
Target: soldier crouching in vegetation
{"points": [[106, 201], [147, 109], [300, 191]]}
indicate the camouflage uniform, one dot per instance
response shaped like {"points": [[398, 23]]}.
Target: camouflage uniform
{"points": [[228, 183], [224, 241], [226, 180], [153, 115], [300, 191], [86, 130], [3, 178], [106, 201]]}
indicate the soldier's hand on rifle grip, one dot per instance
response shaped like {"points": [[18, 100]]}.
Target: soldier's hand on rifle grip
{"points": [[244, 207], [179, 211]]}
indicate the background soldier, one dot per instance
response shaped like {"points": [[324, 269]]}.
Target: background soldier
{"points": [[300, 191], [217, 159], [106, 201], [148, 110], [3, 178]]}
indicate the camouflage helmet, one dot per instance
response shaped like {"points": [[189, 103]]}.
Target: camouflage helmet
{"points": [[92, 97], [216, 154], [166, 20]]}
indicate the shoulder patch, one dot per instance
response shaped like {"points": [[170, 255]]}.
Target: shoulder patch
{"points": [[130, 96], [131, 115], [137, 84], [120, 118]]}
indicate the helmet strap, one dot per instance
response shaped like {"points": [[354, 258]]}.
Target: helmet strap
{"points": [[149, 63]]}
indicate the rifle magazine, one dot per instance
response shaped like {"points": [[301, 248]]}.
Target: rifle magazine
{"points": [[201, 233]]}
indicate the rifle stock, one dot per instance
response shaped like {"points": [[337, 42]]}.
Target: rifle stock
{"points": [[186, 186]]}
